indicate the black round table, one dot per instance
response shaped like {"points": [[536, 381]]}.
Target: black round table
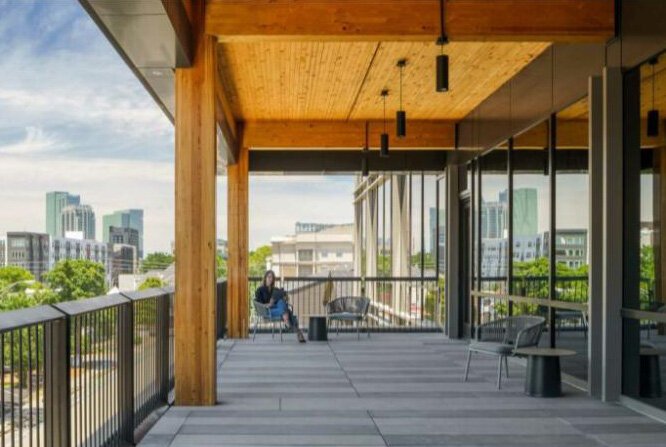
{"points": [[317, 330], [544, 378]]}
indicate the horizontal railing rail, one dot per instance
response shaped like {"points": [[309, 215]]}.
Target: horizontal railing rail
{"points": [[396, 303], [86, 372]]}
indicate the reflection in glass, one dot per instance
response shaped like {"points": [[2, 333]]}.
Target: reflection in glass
{"points": [[531, 215], [571, 235]]}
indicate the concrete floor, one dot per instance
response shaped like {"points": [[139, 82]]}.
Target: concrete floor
{"points": [[389, 390]]}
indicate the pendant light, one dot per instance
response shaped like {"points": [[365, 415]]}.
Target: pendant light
{"points": [[384, 139], [442, 73], [653, 115], [401, 115], [365, 170]]}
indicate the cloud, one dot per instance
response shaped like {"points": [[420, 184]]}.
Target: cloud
{"points": [[34, 141], [73, 117]]}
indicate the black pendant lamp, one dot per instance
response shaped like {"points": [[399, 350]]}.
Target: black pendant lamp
{"points": [[442, 73], [653, 114], [401, 115], [365, 169], [384, 139]]}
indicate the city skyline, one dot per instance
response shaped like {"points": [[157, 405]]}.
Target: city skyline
{"points": [[112, 146]]}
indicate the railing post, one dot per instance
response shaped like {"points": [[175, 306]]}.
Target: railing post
{"points": [[57, 387], [126, 371], [162, 341]]}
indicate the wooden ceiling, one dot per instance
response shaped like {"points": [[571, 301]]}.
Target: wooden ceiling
{"points": [[290, 80]]}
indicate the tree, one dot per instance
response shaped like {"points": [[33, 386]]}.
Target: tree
{"points": [[258, 259], [221, 266], [76, 279], [152, 282], [157, 261], [12, 274]]}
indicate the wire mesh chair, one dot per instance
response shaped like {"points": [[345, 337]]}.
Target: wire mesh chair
{"points": [[349, 308], [501, 337], [262, 314]]}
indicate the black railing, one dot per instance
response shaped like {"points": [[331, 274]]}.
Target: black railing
{"points": [[87, 372], [573, 289], [396, 304]]}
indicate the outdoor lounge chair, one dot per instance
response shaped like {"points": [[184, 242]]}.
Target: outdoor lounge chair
{"points": [[263, 314], [348, 308], [501, 337]]}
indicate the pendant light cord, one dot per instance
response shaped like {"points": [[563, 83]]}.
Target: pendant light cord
{"points": [[384, 96], [443, 39], [402, 66]]}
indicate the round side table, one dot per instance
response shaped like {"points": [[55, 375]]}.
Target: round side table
{"points": [[317, 330], [544, 378]]}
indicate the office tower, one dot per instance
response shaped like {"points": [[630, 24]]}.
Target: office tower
{"points": [[29, 251], [78, 218], [130, 218], [55, 202]]}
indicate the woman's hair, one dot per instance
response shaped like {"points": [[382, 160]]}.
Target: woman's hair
{"points": [[269, 272]]}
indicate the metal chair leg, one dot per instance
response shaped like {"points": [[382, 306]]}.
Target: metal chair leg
{"points": [[337, 328], [499, 373], [281, 333], [254, 335], [469, 359], [367, 328], [506, 366], [358, 330]]}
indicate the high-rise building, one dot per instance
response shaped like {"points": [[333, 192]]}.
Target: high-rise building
{"points": [[131, 218], [63, 248], [525, 211], [55, 202], [123, 260], [438, 238], [494, 220], [124, 235], [78, 218], [29, 251]]}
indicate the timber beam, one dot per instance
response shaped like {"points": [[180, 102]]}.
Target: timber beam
{"points": [[307, 135], [415, 20]]}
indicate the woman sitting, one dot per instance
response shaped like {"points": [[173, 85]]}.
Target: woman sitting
{"points": [[276, 299]]}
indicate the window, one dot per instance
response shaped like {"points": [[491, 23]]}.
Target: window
{"points": [[305, 255]]}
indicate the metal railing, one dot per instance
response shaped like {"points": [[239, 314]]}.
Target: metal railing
{"points": [[396, 304], [87, 372]]}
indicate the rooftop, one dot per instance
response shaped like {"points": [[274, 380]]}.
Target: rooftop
{"points": [[389, 390]]}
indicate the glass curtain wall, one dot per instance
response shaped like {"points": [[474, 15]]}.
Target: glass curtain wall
{"points": [[403, 237], [531, 230], [571, 236], [644, 332]]}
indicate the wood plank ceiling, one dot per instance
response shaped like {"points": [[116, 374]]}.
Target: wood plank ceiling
{"points": [[318, 80]]}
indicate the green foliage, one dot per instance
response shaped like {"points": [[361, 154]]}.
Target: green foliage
{"points": [[77, 279], [428, 260], [258, 260], [12, 274], [432, 312], [221, 266], [157, 261], [151, 283]]}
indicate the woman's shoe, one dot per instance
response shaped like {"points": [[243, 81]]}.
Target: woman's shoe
{"points": [[301, 338]]}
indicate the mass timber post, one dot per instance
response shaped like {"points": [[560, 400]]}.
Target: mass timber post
{"points": [[195, 303], [238, 247]]}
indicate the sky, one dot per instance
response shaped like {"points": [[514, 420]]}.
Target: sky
{"points": [[74, 118]]}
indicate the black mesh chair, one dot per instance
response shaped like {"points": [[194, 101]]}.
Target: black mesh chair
{"points": [[502, 337], [348, 308], [262, 313]]}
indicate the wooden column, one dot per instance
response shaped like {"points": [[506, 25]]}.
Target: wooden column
{"points": [[194, 308], [238, 247]]}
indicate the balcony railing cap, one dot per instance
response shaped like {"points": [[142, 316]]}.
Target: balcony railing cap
{"points": [[15, 319], [139, 295], [79, 307]]}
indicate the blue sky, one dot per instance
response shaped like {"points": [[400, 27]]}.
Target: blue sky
{"points": [[73, 117]]}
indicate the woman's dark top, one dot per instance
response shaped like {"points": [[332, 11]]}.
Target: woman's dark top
{"points": [[264, 294]]}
